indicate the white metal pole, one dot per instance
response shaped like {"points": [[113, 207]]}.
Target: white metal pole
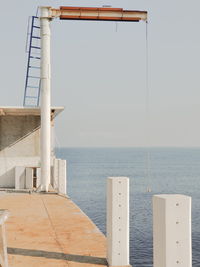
{"points": [[118, 221], [172, 246], [45, 99]]}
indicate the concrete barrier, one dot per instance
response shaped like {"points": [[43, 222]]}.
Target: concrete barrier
{"points": [[172, 231], [55, 173], [62, 177], [118, 221]]}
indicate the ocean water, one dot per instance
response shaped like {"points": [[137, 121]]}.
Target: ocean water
{"points": [[164, 170]]}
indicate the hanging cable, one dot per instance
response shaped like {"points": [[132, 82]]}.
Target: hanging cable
{"points": [[116, 26], [147, 73], [147, 160], [37, 11]]}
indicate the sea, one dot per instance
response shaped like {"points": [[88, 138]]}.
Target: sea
{"points": [[151, 171]]}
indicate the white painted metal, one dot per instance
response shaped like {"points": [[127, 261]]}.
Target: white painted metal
{"points": [[172, 231], [62, 177], [45, 99], [141, 15], [118, 221], [29, 178], [19, 177]]}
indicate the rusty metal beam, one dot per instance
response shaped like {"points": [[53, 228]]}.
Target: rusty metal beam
{"points": [[98, 14]]}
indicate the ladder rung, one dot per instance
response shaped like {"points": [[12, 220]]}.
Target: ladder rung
{"points": [[34, 77], [35, 57], [34, 67], [31, 86], [35, 17], [37, 27], [29, 105], [29, 96], [36, 37], [36, 47]]}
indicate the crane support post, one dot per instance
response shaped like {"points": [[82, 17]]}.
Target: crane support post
{"points": [[98, 14], [45, 76]]}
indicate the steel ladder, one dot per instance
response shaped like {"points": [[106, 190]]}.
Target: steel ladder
{"points": [[33, 48]]}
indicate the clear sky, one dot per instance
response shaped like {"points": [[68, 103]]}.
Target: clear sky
{"points": [[99, 73]]}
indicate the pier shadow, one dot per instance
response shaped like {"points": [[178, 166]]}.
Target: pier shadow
{"points": [[57, 256]]}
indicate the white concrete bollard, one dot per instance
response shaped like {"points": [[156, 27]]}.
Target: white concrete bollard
{"points": [[62, 177], [172, 231], [118, 221]]}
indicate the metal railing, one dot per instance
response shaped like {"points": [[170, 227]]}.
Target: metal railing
{"points": [[3, 243]]}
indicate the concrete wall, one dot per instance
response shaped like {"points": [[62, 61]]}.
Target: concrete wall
{"points": [[15, 128], [27, 146]]}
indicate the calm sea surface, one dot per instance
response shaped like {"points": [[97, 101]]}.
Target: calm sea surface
{"points": [[170, 170]]}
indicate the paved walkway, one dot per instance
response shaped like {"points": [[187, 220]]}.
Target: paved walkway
{"points": [[50, 230]]}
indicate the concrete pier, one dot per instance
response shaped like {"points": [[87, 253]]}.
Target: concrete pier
{"points": [[50, 230]]}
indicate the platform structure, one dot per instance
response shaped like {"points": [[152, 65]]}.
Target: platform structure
{"points": [[50, 230], [20, 166]]}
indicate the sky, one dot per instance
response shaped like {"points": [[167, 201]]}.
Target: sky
{"points": [[99, 72]]}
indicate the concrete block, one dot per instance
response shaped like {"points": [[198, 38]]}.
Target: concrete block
{"points": [[29, 178], [62, 177], [118, 221], [19, 177], [172, 231]]}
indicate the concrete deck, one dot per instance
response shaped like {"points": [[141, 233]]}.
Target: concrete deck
{"points": [[50, 230]]}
